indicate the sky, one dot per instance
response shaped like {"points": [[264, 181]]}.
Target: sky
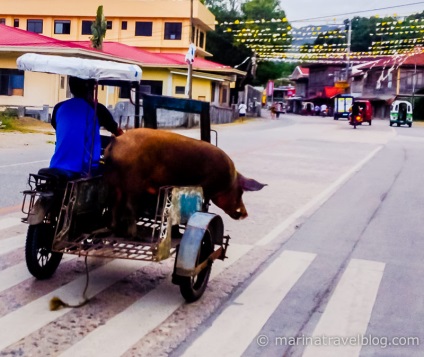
{"points": [[309, 9]]}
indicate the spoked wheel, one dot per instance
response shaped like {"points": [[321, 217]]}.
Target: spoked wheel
{"points": [[192, 288], [40, 260]]}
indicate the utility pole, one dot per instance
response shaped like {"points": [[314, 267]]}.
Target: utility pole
{"points": [[349, 38], [190, 66]]}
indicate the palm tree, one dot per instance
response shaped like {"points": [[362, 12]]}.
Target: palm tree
{"points": [[98, 29]]}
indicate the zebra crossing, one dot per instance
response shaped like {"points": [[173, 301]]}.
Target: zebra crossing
{"points": [[127, 305]]}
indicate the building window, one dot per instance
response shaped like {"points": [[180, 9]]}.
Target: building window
{"points": [[143, 28], [202, 40], [173, 30], [16, 23], [86, 27], [390, 80], [124, 25], [109, 25], [62, 27], [179, 90], [11, 82], [3, 21], [35, 26]]}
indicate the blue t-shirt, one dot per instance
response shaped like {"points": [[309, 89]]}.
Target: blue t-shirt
{"points": [[76, 127]]}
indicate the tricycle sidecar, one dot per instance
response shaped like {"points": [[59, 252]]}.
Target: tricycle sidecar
{"points": [[401, 113], [70, 215]]}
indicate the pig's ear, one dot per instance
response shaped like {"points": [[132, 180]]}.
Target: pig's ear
{"points": [[248, 184]]}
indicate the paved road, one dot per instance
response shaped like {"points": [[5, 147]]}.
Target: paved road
{"points": [[296, 268]]}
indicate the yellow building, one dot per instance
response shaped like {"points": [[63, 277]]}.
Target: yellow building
{"points": [[154, 25], [163, 74]]}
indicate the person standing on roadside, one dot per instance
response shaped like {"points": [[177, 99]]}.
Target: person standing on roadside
{"points": [[242, 109]]}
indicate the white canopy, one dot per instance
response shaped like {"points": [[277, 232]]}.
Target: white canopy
{"points": [[79, 67]]}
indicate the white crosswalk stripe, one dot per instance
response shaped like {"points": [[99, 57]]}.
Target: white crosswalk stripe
{"points": [[354, 296], [35, 315], [9, 222], [18, 273], [10, 244], [348, 311], [155, 307], [252, 308]]}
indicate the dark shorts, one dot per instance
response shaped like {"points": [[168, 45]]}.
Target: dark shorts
{"points": [[242, 115]]}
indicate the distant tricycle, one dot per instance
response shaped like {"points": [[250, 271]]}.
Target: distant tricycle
{"points": [[401, 113]]}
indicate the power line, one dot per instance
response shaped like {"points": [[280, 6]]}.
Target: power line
{"points": [[357, 12]]}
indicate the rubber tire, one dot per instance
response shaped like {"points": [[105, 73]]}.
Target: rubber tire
{"points": [[409, 124], [40, 260], [398, 125], [369, 122], [391, 123], [192, 288]]}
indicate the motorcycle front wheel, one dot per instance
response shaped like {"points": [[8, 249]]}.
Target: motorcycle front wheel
{"points": [[40, 260]]}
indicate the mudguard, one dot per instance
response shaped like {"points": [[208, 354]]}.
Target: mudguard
{"points": [[41, 207], [198, 224]]}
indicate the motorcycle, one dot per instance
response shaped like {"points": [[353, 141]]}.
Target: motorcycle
{"points": [[355, 119], [67, 213]]}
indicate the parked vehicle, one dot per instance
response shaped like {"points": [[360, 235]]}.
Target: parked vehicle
{"points": [[280, 108], [401, 113], [342, 104], [366, 110], [307, 108]]}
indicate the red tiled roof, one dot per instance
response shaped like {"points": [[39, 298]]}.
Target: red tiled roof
{"points": [[199, 63], [395, 60], [128, 52], [154, 58], [10, 36], [304, 70], [13, 37]]}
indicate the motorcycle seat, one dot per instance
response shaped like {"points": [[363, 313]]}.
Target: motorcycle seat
{"points": [[60, 175]]}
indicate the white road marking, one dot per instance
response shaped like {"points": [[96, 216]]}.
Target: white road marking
{"points": [[18, 273], [316, 201], [236, 327], [24, 163], [8, 222], [349, 310], [33, 316], [125, 329], [10, 244]]}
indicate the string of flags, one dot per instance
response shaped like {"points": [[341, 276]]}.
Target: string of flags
{"points": [[277, 39]]}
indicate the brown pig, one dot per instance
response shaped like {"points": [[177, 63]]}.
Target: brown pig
{"points": [[143, 160]]}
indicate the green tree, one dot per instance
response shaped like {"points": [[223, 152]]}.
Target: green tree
{"points": [[222, 42], [262, 9], [98, 29]]}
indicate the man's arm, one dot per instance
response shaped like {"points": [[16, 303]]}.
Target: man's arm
{"points": [[106, 120], [54, 114]]}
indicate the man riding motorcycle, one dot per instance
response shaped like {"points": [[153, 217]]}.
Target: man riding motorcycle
{"points": [[355, 116]]}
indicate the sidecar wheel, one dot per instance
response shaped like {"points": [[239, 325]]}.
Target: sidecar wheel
{"points": [[192, 288], [40, 260]]}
